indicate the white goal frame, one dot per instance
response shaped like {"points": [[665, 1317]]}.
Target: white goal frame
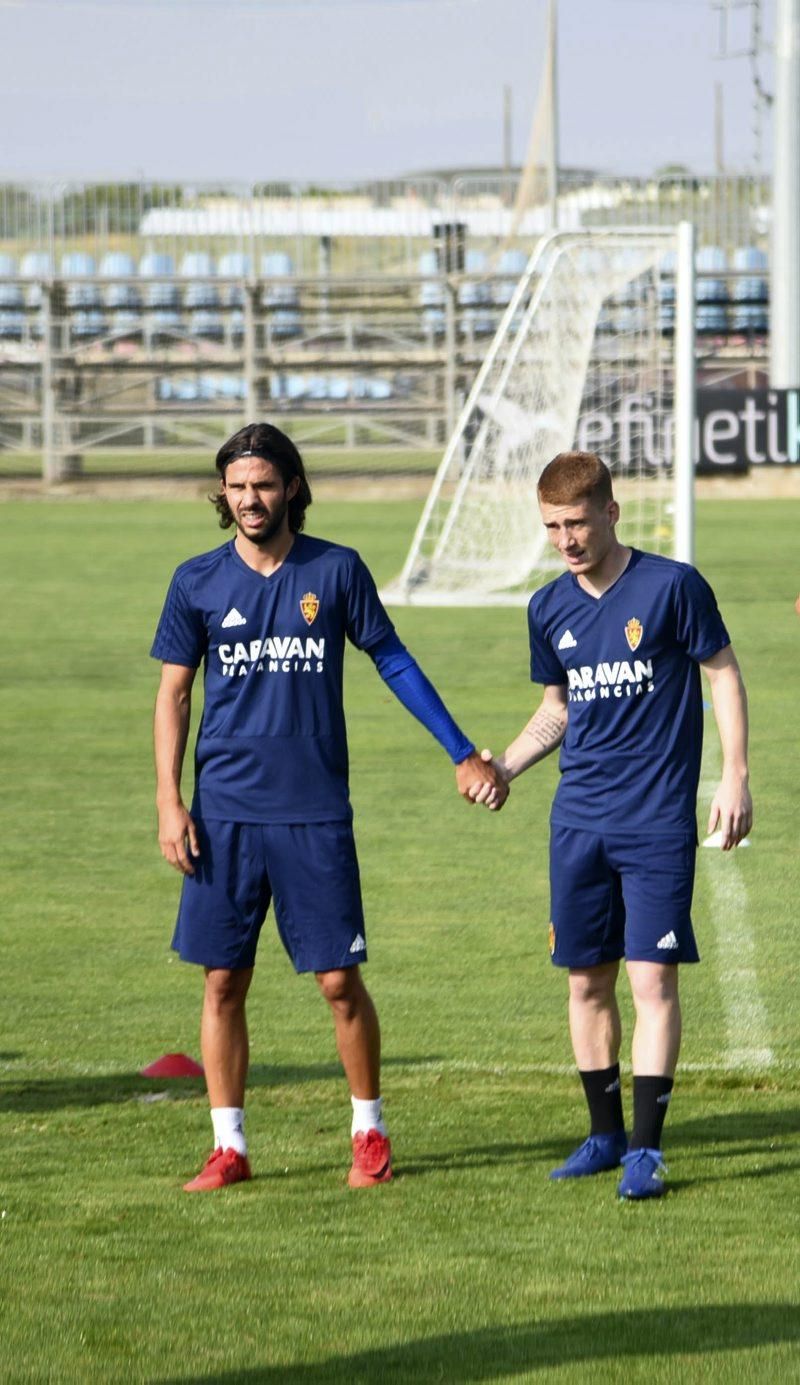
{"points": [[414, 586]]}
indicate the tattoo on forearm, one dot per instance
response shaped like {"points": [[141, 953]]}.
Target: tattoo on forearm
{"points": [[546, 729]]}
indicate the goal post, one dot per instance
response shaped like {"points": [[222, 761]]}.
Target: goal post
{"points": [[595, 351]]}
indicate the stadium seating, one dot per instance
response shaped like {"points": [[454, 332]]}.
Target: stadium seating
{"points": [[711, 294], [750, 294], [119, 296], [11, 295], [206, 388], [37, 264], [237, 264], [125, 322], [431, 294], [208, 325], [12, 302], [475, 298], [666, 293], [200, 293], [159, 295], [77, 265], [282, 300], [332, 388]]}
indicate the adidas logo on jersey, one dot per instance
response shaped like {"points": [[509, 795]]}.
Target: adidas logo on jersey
{"points": [[668, 943], [233, 617], [358, 944], [567, 641]]}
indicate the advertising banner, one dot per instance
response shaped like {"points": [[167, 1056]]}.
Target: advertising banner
{"points": [[735, 430]]}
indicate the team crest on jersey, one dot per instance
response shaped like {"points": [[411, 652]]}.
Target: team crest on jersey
{"points": [[552, 939], [633, 633], [309, 605]]}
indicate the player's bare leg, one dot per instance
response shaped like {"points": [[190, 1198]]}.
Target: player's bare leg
{"points": [[657, 1035], [225, 1047], [594, 1022], [358, 1040], [656, 1043], [223, 1035], [595, 1030], [358, 1035]]}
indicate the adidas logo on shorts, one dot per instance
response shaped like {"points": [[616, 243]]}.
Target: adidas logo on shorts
{"points": [[668, 943], [358, 944]]}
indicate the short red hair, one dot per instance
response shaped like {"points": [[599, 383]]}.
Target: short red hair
{"points": [[575, 476]]}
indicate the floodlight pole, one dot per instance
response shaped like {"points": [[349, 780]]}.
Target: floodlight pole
{"points": [[552, 82], [685, 394], [785, 276]]}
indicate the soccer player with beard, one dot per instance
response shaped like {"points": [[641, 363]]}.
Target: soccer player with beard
{"points": [[268, 615], [618, 642]]}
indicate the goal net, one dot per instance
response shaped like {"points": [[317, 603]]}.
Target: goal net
{"points": [[583, 358]]}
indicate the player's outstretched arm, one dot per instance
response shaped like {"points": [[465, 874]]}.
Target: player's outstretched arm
{"points": [[543, 734], [731, 806], [176, 828], [401, 672]]}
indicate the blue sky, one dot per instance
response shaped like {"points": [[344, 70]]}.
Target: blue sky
{"points": [[339, 89]]}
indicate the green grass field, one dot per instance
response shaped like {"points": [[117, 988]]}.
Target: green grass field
{"points": [[332, 460], [471, 1266]]}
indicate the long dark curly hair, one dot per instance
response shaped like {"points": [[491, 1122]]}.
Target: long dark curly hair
{"points": [[266, 441]]}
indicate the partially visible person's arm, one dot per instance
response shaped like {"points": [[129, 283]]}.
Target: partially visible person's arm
{"points": [[543, 734], [400, 671], [732, 806], [170, 734]]}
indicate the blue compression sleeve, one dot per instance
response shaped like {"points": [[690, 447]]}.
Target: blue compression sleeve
{"points": [[401, 672]]}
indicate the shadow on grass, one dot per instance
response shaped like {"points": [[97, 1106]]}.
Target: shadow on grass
{"points": [[53, 1093], [760, 1126], [497, 1155], [507, 1351]]}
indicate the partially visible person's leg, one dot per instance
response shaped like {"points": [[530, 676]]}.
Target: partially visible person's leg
{"points": [[358, 1035], [595, 1030], [225, 1048], [223, 1035], [656, 1044], [358, 1041], [586, 936], [221, 913], [657, 884], [657, 1035], [594, 1022]]}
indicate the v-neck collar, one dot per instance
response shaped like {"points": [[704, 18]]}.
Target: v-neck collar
{"points": [[289, 560], [615, 585]]}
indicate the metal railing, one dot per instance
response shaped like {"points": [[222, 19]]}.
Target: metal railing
{"points": [[140, 318]]}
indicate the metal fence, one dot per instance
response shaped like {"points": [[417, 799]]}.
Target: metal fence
{"points": [[148, 319]]}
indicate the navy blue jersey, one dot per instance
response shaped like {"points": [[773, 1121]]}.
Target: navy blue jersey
{"points": [[272, 745], [630, 760]]}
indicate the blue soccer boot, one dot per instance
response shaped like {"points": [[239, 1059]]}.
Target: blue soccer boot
{"points": [[641, 1178], [596, 1155]]}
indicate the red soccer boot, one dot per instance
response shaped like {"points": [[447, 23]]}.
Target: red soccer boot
{"points": [[223, 1166], [372, 1159]]}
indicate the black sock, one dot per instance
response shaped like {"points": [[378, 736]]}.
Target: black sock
{"points": [[650, 1101], [602, 1089]]}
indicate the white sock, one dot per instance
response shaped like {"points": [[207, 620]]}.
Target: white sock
{"points": [[228, 1124], [367, 1115]]}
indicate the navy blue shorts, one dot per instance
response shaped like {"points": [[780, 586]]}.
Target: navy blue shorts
{"points": [[614, 896], [309, 872]]}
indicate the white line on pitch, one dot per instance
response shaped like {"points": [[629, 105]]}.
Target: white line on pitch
{"points": [[745, 1013]]}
